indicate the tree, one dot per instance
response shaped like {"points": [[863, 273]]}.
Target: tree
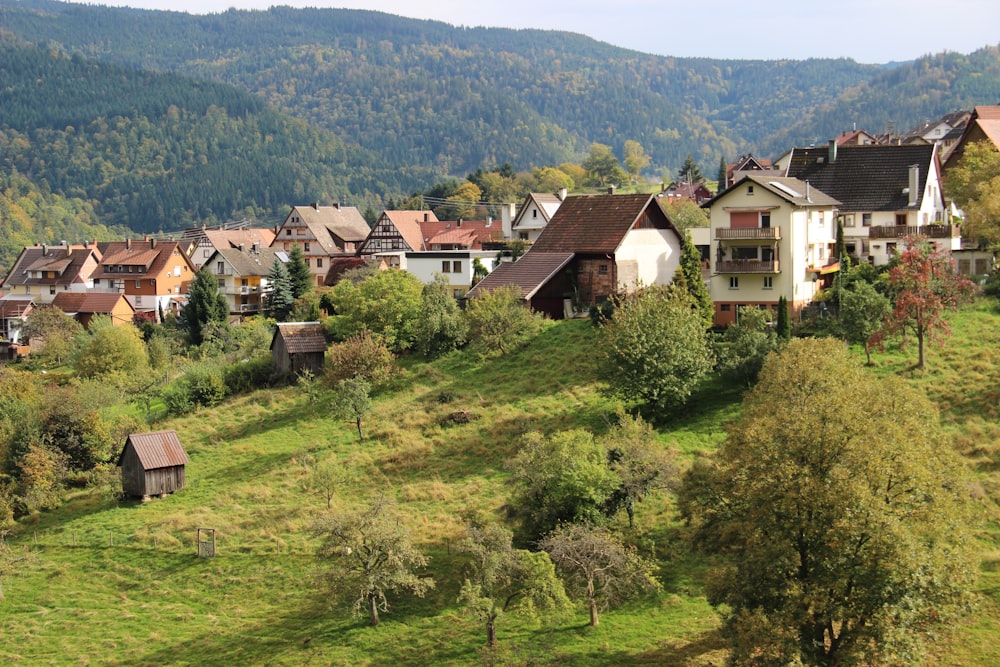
{"points": [[635, 159], [115, 354], [838, 513], [326, 477], [641, 464], [299, 277], [442, 327], [654, 350], [974, 184], [52, 332], [371, 556], [562, 478], [744, 345], [684, 213], [461, 204], [721, 177], [862, 312], [386, 303], [926, 287], [280, 297], [352, 400], [784, 326], [689, 276], [503, 579], [363, 356], [550, 179], [689, 171], [205, 305], [603, 166], [499, 321], [597, 566]]}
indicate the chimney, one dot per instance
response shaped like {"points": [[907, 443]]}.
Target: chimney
{"points": [[241, 247], [808, 193], [152, 244], [562, 194], [254, 248], [914, 183], [489, 221], [315, 205], [128, 244], [336, 205], [86, 245], [427, 217], [832, 152], [45, 249], [611, 189], [507, 215], [459, 223]]}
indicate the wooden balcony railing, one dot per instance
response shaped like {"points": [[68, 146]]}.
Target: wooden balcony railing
{"points": [[902, 231], [748, 233], [746, 266]]}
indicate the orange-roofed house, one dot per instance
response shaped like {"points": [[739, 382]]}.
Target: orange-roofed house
{"points": [[83, 306], [152, 274]]}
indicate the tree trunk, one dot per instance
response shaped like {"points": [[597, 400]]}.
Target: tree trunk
{"points": [[630, 510], [491, 633], [361, 434], [594, 620], [920, 349], [373, 610]]}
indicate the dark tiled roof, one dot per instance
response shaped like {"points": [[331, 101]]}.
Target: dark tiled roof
{"points": [[67, 261], [248, 262], [301, 337], [102, 303], [158, 449], [863, 178], [598, 223], [792, 190], [528, 273], [330, 224], [12, 306], [152, 256]]}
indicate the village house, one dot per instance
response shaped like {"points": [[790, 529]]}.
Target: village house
{"points": [[322, 233], [152, 274], [202, 242], [394, 234], [885, 193], [43, 271], [595, 246], [529, 221], [773, 237], [242, 274], [84, 306]]}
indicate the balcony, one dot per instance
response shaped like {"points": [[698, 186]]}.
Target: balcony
{"points": [[242, 289], [746, 266], [902, 231], [249, 307], [748, 233]]}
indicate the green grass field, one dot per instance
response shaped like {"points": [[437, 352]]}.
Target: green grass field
{"points": [[105, 584]]}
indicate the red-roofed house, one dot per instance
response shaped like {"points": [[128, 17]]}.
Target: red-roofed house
{"points": [[595, 246], [84, 306], [152, 274], [322, 233], [43, 271]]}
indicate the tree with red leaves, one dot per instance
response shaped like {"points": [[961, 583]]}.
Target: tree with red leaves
{"points": [[926, 286]]}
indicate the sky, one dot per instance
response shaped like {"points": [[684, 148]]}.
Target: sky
{"points": [[869, 31]]}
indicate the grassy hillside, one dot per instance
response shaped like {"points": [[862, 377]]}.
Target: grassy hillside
{"points": [[147, 600]]}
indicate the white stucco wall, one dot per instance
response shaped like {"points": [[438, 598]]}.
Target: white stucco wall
{"points": [[657, 253]]}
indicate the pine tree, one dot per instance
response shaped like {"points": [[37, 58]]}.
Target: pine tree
{"points": [[298, 272], [694, 283], [205, 305], [280, 298], [722, 175], [689, 173], [784, 326]]}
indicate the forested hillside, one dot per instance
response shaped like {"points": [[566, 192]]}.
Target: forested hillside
{"points": [[166, 119]]}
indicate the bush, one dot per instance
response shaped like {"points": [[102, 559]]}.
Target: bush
{"points": [[246, 376]]}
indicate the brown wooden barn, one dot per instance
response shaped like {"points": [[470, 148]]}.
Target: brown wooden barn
{"points": [[152, 464], [299, 346]]}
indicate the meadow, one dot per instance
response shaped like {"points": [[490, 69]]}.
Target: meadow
{"points": [[103, 582]]}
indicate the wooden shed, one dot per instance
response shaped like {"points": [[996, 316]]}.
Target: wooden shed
{"points": [[299, 346], [152, 464]]}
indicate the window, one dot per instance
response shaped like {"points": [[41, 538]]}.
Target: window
{"points": [[901, 220], [725, 307], [744, 253], [222, 283], [305, 246], [734, 282], [52, 289], [848, 221], [97, 282], [456, 267], [137, 284], [602, 269], [749, 189], [866, 219], [822, 252], [177, 272], [523, 236], [457, 293], [768, 282], [534, 213], [305, 260], [288, 232], [851, 248], [319, 262], [220, 267], [446, 267], [765, 220]]}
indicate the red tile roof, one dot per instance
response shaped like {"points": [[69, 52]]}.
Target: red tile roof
{"points": [[598, 223], [301, 337], [528, 273], [102, 303]]}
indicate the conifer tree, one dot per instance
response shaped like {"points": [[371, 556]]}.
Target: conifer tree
{"points": [[722, 175], [205, 305], [280, 298], [298, 272]]}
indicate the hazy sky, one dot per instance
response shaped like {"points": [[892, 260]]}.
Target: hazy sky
{"points": [[870, 31]]}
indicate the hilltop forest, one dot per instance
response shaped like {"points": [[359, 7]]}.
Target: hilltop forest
{"points": [[167, 120]]}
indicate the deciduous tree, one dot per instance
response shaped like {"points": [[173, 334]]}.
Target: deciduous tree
{"points": [[635, 159], [386, 303], [502, 579], [655, 349], [745, 344], [838, 513], [974, 184], [442, 326], [352, 400], [641, 463], [862, 312], [499, 321], [363, 356], [603, 166], [371, 556], [598, 566], [926, 287], [55, 333]]}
